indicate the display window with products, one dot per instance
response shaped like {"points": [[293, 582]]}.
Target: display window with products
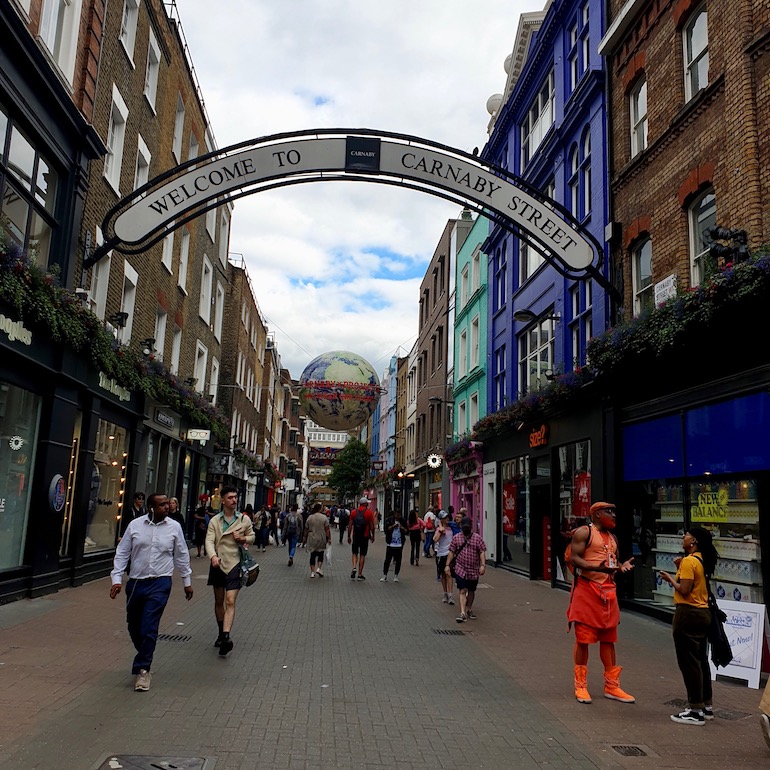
{"points": [[514, 512], [19, 419], [707, 467], [574, 497], [107, 487], [69, 503]]}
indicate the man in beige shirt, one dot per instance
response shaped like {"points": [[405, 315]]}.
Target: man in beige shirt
{"points": [[317, 535]]}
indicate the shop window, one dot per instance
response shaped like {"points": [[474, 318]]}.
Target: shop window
{"points": [[515, 519], [72, 472], [107, 486], [574, 497], [19, 417]]}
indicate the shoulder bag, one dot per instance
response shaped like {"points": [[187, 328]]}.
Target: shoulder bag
{"points": [[249, 568]]}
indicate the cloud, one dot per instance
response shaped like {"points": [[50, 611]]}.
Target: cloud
{"points": [[338, 265]]}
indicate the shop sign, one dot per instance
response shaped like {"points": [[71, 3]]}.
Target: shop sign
{"points": [[198, 434], [166, 420], [108, 384], [538, 437], [57, 493], [15, 330], [712, 506]]}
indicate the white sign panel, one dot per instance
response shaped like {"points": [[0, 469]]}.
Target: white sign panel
{"points": [[665, 289], [745, 628], [198, 434]]}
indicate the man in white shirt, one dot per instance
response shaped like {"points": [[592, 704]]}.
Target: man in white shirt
{"points": [[430, 526], [154, 545]]}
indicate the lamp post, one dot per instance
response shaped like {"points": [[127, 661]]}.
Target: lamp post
{"points": [[404, 478]]}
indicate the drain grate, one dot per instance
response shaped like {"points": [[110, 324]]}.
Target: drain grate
{"points": [[629, 751], [448, 632], [173, 638], [135, 762]]}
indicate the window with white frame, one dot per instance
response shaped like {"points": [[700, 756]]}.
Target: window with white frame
{"points": [[536, 353], [207, 282], [184, 255], [538, 121], [151, 70], [702, 214], [529, 261], [696, 53], [194, 147], [499, 378], [167, 255], [219, 311], [585, 174], [476, 270], [500, 278], [224, 237], [211, 223], [637, 101], [201, 360], [176, 350], [100, 279], [573, 57], [161, 317], [464, 288], [143, 158], [642, 276], [574, 294], [462, 363], [462, 419], [474, 409], [574, 182], [474, 346], [116, 134], [128, 301], [238, 369], [588, 323], [176, 145], [59, 31], [214, 382], [128, 23], [585, 40]]}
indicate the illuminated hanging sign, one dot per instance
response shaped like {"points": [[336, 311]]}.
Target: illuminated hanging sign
{"points": [[15, 330]]}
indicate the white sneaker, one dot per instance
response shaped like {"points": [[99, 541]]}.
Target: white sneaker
{"points": [[450, 600], [384, 579], [765, 721], [142, 682], [446, 598], [312, 574], [395, 579]]}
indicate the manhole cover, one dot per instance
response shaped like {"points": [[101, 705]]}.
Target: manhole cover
{"points": [[173, 638], [133, 762], [629, 751], [448, 632]]}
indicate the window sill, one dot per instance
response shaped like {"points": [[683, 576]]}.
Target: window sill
{"points": [[125, 51], [182, 289], [115, 188], [168, 267], [151, 105]]}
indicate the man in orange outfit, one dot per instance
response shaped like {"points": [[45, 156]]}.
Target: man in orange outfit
{"points": [[593, 607]]}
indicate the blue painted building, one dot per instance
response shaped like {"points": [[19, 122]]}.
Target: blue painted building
{"points": [[549, 128]]}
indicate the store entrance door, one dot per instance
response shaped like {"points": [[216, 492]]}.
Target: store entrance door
{"points": [[540, 530]]}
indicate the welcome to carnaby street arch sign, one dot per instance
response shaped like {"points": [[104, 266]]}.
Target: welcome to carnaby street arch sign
{"points": [[189, 190]]}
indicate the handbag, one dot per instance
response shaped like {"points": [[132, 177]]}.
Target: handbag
{"points": [[249, 569], [721, 651], [457, 553]]}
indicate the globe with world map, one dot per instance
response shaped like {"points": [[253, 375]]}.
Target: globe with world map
{"points": [[339, 390]]}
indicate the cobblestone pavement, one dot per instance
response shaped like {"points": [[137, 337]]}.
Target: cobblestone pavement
{"points": [[339, 674]]}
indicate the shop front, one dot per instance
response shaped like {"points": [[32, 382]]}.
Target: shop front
{"points": [[545, 477], [702, 463]]}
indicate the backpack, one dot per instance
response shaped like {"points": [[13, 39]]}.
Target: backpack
{"points": [[291, 524], [359, 523]]}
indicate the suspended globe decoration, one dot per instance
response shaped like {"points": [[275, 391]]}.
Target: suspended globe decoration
{"points": [[339, 390]]}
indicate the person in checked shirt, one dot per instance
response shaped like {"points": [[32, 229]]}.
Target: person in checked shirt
{"points": [[467, 561], [155, 545]]}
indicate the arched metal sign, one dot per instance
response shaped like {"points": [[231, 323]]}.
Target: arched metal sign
{"points": [[189, 190]]}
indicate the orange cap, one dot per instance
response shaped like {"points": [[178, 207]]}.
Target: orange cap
{"points": [[598, 506]]}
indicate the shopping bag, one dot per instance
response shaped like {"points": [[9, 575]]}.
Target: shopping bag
{"points": [[249, 569], [328, 555]]}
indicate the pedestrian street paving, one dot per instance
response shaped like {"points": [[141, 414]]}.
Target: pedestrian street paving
{"points": [[334, 673]]}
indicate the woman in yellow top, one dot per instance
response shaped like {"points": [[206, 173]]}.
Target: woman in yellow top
{"points": [[692, 619]]}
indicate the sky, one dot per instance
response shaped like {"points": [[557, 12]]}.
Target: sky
{"points": [[338, 265]]}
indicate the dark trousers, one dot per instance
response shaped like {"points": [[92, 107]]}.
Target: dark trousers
{"points": [[394, 555], [690, 628], [414, 539], [264, 537], [343, 527], [145, 602]]}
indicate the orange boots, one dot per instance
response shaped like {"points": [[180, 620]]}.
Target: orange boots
{"points": [[581, 691], [612, 685]]}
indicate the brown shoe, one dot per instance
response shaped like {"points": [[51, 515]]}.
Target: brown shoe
{"points": [[142, 681]]}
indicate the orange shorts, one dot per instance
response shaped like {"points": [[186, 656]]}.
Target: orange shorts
{"points": [[589, 635]]}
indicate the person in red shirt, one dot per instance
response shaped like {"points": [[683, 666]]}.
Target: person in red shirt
{"points": [[360, 532]]}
